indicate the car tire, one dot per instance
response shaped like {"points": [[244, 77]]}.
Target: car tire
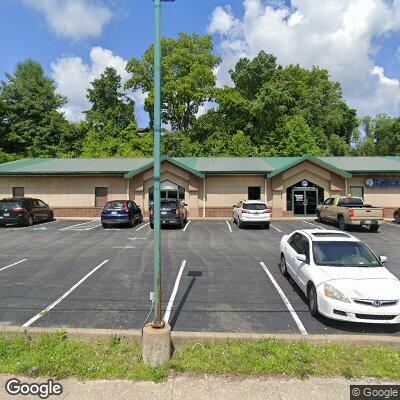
{"points": [[283, 267], [313, 301], [341, 223], [397, 217], [105, 226], [374, 228], [151, 226], [319, 217], [51, 216], [30, 220], [266, 225]]}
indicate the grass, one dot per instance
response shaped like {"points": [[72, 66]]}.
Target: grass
{"points": [[57, 356]]}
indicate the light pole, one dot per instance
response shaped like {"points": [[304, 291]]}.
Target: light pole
{"points": [[158, 322]]}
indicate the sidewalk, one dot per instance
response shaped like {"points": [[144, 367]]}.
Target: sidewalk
{"points": [[202, 387]]}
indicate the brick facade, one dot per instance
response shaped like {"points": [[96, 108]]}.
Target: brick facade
{"points": [[90, 212]]}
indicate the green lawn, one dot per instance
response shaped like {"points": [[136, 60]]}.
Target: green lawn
{"points": [[57, 356]]}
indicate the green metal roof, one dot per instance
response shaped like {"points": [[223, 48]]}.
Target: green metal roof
{"points": [[199, 166]]}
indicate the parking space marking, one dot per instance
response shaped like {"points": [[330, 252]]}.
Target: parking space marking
{"points": [[92, 227], [285, 300], [11, 265], [318, 226], [173, 294], [60, 299], [73, 226], [272, 226], [229, 226], [184, 229], [389, 223], [138, 229]]}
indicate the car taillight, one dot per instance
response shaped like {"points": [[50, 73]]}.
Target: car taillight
{"points": [[178, 211], [126, 207], [18, 209], [352, 213], [151, 212]]}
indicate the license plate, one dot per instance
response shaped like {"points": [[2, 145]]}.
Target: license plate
{"points": [[6, 214], [1, 217], [114, 213], [369, 222], [164, 212]]}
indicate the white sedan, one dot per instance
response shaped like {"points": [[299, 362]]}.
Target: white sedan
{"points": [[251, 212], [340, 276]]}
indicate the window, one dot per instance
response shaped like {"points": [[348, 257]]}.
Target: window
{"points": [[328, 202], [294, 242], [254, 193], [18, 192], [41, 203], [357, 191], [101, 196]]}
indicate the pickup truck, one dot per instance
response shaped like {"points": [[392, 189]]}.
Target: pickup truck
{"points": [[350, 211]]}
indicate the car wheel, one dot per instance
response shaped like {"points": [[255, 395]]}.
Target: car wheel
{"points": [[319, 217], [151, 226], [374, 228], [51, 216], [266, 225], [341, 223], [30, 220], [313, 301], [283, 267], [105, 226], [397, 218]]}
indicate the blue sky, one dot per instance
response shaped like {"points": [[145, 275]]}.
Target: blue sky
{"points": [[357, 40]]}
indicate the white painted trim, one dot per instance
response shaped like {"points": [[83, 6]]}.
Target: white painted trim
{"points": [[346, 189], [204, 197], [128, 188]]}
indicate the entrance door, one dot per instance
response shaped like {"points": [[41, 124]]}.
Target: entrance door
{"points": [[304, 201]]}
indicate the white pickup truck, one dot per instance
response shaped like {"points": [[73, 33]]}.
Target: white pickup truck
{"points": [[351, 211]]}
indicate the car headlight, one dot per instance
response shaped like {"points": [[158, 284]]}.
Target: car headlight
{"points": [[335, 294]]}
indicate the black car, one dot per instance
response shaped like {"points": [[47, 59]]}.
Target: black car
{"points": [[173, 212], [24, 211], [396, 215], [121, 212]]}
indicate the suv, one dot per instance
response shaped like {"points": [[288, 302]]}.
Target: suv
{"points": [[24, 211], [251, 212], [173, 212], [121, 212]]}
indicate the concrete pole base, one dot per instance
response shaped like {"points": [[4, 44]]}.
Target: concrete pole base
{"points": [[156, 345]]}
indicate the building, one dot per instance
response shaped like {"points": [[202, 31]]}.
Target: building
{"points": [[292, 186]]}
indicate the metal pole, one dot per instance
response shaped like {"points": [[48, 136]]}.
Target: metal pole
{"points": [[158, 322]]}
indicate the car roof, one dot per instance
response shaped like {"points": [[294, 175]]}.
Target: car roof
{"points": [[253, 202], [328, 235]]}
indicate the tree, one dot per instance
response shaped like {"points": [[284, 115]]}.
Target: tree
{"points": [[31, 123], [109, 104], [187, 75]]}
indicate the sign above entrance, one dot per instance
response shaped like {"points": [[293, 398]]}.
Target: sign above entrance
{"points": [[304, 183], [167, 185], [376, 182]]}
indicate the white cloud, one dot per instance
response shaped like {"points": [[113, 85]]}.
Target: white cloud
{"points": [[73, 18], [73, 77], [334, 34]]}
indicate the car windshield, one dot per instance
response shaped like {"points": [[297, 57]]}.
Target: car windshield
{"points": [[9, 204], [115, 205], [344, 254], [254, 206]]}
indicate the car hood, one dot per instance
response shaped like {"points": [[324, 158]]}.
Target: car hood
{"points": [[364, 283]]}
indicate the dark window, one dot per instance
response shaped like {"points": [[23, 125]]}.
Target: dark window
{"points": [[115, 205], [254, 206], [101, 196], [304, 247], [254, 193], [350, 202], [41, 203], [294, 242], [6, 204], [328, 202], [18, 192]]}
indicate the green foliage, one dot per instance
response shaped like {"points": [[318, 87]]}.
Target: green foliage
{"points": [[30, 122], [187, 76]]}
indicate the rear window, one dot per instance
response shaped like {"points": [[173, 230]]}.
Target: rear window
{"points": [[330, 234], [168, 204], [10, 204], [255, 206], [115, 206], [351, 202]]}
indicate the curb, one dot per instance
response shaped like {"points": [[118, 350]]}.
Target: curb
{"points": [[180, 339]]}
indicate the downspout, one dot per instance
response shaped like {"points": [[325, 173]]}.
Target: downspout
{"points": [[128, 188], [346, 191], [204, 197], [265, 190]]}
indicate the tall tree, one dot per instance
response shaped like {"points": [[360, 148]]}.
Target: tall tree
{"points": [[31, 122], [187, 74]]}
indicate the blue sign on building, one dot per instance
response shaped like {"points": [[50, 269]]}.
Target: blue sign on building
{"points": [[376, 182]]}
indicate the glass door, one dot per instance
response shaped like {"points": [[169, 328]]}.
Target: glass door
{"points": [[305, 201], [298, 202], [310, 202]]}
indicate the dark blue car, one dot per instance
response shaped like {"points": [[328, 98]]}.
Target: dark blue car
{"points": [[121, 212]]}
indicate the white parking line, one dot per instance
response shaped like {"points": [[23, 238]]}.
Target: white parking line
{"points": [[11, 265], [173, 294], [88, 229], [60, 299], [72, 226], [184, 229], [272, 226], [138, 229], [286, 301], [229, 226], [318, 226]]}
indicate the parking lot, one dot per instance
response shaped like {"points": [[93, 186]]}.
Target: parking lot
{"points": [[215, 277]]}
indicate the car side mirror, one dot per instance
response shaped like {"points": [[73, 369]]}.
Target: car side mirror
{"points": [[184, 204], [301, 257], [382, 259]]}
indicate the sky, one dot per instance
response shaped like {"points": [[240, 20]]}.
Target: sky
{"points": [[358, 41]]}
